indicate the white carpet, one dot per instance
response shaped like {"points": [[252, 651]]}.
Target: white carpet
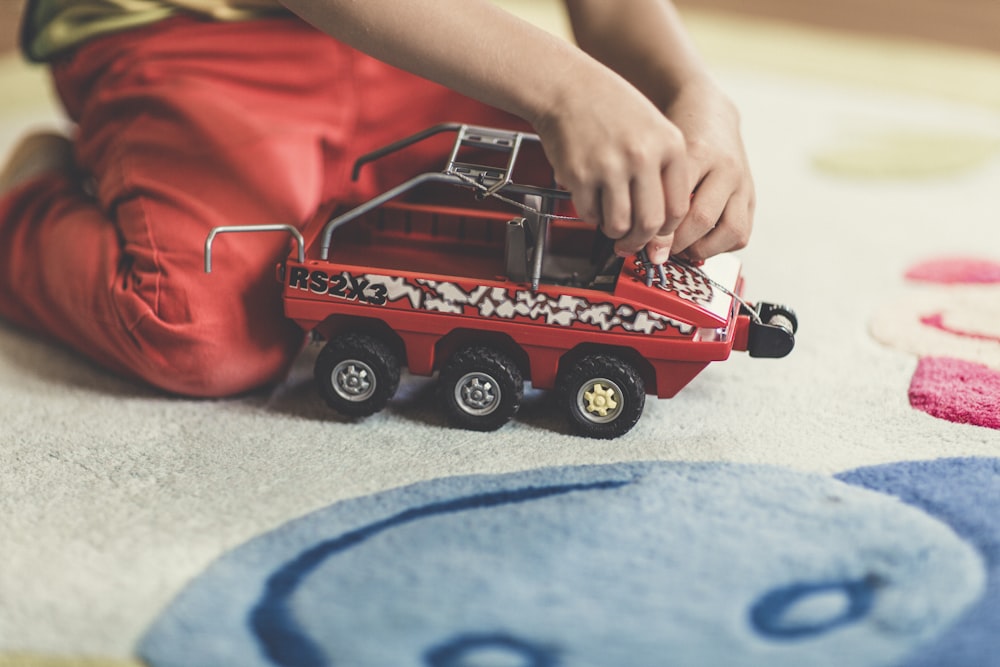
{"points": [[113, 497]]}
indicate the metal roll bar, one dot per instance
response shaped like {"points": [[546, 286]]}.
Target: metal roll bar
{"points": [[290, 229]]}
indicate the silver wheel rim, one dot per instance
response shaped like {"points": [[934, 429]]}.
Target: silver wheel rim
{"points": [[600, 400], [353, 380], [477, 394]]}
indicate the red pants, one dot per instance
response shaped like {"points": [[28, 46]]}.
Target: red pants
{"points": [[182, 127]]}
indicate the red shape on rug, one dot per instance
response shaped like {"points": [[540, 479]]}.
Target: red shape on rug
{"points": [[956, 390], [936, 321], [956, 271]]}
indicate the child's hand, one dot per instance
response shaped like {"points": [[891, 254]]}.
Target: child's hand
{"points": [[624, 162], [721, 213]]}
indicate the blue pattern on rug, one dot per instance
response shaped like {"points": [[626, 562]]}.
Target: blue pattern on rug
{"points": [[965, 494], [583, 566], [273, 618]]}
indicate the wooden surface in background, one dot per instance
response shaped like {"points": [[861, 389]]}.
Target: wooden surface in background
{"points": [[969, 23], [972, 23], [10, 21]]}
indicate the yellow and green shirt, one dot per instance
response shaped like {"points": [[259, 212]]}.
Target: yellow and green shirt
{"points": [[51, 26]]}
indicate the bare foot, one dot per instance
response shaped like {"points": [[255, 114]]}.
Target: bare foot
{"points": [[36, 154]]}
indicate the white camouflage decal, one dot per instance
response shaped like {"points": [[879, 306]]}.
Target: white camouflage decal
{"points": [[563, 311]]}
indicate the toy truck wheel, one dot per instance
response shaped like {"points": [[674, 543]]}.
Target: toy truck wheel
{"points": [[481, 388], [357, 374], [603, 395]]}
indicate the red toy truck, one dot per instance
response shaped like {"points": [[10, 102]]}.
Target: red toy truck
{"points": [[500, 286]]}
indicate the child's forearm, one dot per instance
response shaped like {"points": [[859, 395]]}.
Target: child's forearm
{"points": [[643, 40], [470, 46]]}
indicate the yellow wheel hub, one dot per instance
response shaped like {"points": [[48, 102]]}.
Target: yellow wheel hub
{"points": [[600, 400]]}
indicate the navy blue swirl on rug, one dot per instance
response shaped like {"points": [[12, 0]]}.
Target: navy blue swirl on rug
{"points": [[965, 494]]}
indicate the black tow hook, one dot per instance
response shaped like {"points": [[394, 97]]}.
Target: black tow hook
{"points": [[772, 331]]}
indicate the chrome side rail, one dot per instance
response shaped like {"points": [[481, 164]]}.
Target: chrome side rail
{"points": [[290, 229]]}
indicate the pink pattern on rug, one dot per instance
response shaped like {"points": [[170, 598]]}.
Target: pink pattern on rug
{"points": [[936, 321], [957, 270], [950, 319], [956, 390]]}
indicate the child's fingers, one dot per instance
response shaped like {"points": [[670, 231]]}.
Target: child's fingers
{"points": [[678, 183], [664, 202], [616, 211], [587, 202], [659, 248], [648, 211], [732, 231], [675, 194], [707, 205]]}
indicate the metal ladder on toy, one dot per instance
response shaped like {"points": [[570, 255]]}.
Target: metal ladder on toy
{"points": [[493, 178]]}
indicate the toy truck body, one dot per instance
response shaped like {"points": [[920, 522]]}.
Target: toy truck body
{"points": [[494, 288]]}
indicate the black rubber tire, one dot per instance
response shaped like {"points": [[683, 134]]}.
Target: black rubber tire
{"points": [[621, 396], [357, 374], [481, 388]]}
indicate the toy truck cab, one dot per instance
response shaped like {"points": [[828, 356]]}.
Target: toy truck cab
{"points": [[500, 285]]}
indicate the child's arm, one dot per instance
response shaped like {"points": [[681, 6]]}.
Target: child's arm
{"points": [[608, 143]]}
